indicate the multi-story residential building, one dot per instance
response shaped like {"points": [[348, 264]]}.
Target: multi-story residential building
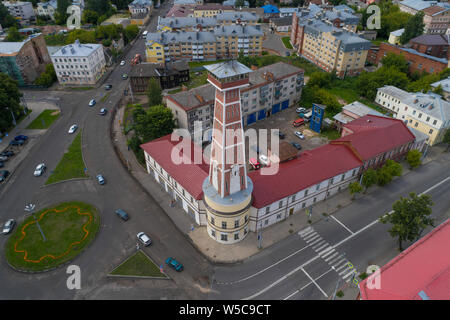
{"points": [[206, 24], [288, 12], [330, 48], [435, 45], [221, 43], [23, 11], [271, 89], [180, 11], [418, 62], [47, 9], [211, 10], [436, 19], [298, 184], [24, 61], [169, 75], [445, 85], [140, 6], [281, 24], [353, 111], [79, 63], [425, 112]]}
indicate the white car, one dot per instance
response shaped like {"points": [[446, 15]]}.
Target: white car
{"points": [[122, 63], [142, 237], [264, 160], [73, 128], [39, 169], [298, 110], [92, 103], [8, 226], [299, 134]]}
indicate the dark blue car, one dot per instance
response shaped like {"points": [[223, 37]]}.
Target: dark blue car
{"points": [[21, 137], [174, 264]]}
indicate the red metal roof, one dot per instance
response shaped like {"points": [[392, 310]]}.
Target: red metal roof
{"points": [[424, 266], [189, 175], [373, 135], [310, 168]]}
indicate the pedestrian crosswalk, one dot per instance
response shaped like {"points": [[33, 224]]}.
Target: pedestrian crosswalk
{"points": [[330, 255]]}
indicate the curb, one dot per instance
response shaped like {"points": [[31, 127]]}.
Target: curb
{"points": [[62, 264]]}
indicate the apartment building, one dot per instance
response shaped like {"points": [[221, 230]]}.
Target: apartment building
{"points": [[47, 9], [436, 19], [24, 61], [140, 6], [332, 49], [220, 43], [79, 63], [211, 10], [23, 11], [271, 89], [206, 24], [425, 112]]}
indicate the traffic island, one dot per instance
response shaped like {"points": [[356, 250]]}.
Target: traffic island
{"points": [[52, 237], [139, 265], [45, 119]]}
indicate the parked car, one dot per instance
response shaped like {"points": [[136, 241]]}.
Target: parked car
{"points": [[3, 175], [298, 110], [254, 163], [108, 87], [16, 143], [2, 164], [174, 264], [122, 214], [103, 111], [8, 226], [124, 76], [299, 135], [297, 145], [92, 103], [7, 153], [40, 169], [100, 179], [4, 158], [122, 63], [21, 137], [281, 135], [264, 160], [298, 122], [73, 128], [142, 237]]}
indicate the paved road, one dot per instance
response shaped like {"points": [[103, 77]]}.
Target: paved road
{"points": [[287, 269]]}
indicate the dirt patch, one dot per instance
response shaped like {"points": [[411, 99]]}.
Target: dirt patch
{"points": [[54, 113]]}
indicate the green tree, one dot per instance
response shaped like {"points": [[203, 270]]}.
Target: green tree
{"points": [[368, 83], [156, 122], [423, 84], [394, 168], [439, 90], [414, 158], [239, 3], [9, 101], [369, 178], [135, 144], [130, 32], [320, 79], [102, 7], [14, 35], [90, 16], [409, 218], [48, 77], [83, 35], [154, 92], [384, 176], [393, 60], [61, 11], [6, 19], [414, 27], [355, 188]]}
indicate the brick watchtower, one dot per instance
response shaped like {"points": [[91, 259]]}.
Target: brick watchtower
{"points": [[227, 190]]}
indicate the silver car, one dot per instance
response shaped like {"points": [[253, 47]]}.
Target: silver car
{"points": [[8, 226], [299, 135], [73, 128], [142, 237], [39, 170]]}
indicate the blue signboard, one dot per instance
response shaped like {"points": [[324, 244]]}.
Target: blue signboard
{"points": [[317, 117]]}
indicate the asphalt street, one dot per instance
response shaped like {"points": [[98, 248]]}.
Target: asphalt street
{"points": [[290, 269]]}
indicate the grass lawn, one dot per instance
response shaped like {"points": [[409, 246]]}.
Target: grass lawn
{"points": [[286, 42], [68, 227], [330, 134], [71, 165], [138, 264], [44, 120]]}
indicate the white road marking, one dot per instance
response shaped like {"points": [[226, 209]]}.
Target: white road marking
{"points": [[316, 279], [312, 280], [323, 246], [328, 253], [348, 274], [301, 232], [318, 244], [308, 235], [341, 267], [312, 238], [334, 259], [315, 241], [343, 225], [292, 294], [332, 256]]}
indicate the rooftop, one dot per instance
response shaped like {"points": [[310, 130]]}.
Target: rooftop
{"points": [[398, 32], [432, 39], [77, 49], [194, 98], [361, 109], [445, 84], [422, 4], [227, 69], [277, 70], [284, 21], [420, 272]]}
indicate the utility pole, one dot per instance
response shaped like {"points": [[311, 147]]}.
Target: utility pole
{"points": [[30, 208], [260, 236]]}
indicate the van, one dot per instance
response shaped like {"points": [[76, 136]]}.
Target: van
{"points": [[298, 122], [254, 163], [307, 116], [144, 34]]}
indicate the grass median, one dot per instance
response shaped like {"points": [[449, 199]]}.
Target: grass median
{"points": [[44, 120], [139, 264], [68, 228], [71, 165], [286, 42]]}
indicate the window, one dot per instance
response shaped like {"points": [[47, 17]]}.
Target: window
{"points": [[236, 223], [303, 204], [431, 131], [223, 237], [278, 216], [280, 204], [267, 209], [236, 236], [317, 187], [434, 122], [306, 192], [213, 233], [224, 224], [266, 222]]}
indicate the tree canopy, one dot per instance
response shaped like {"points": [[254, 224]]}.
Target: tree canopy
{"points": [[153, 123], [154, 92], [6, 19], [414, 158], [14, 35], [397, 61], [414, 27], [9, 101]]}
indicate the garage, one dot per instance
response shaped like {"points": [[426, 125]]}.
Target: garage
{"points": [[251, 118], [275, 108], [261, 114], [285, 104]]}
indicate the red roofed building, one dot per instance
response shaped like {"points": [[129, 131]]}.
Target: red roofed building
{"points": [[421, 272]]}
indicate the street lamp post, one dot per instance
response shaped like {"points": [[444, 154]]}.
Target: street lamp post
{"points": [[337, 284], [12, 114], [260, 236], [30, 208]]}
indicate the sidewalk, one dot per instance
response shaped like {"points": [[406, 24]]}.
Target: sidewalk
{"points": [[233, 253]]}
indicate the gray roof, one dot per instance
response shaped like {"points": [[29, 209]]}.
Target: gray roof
{"points": [[315, 12], [285, 21], [395, 92], [227, 69], [278, 70], [233, 2], [183, 36], [445, 84], [76, 49], [10, 47], [361, 109], [238, 30], [398, 32], [420, 4], [195, 97], [52, 49], [349, 41], [183, 22], [235, 15]]}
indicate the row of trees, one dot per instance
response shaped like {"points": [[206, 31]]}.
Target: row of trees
{"points": [[9, 102], [316, 92]]}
